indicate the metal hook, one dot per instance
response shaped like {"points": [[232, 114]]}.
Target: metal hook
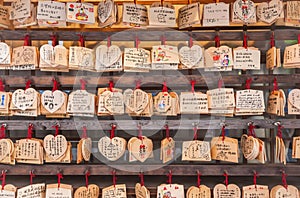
{"points": [[250, 123], [278, 123]]}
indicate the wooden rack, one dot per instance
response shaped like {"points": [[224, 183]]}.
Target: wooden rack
{"points": [[179, 124]]}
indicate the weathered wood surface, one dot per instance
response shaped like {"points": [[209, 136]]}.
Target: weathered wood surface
{"points": [[177, 170], [130, 124], [150, 79], [154, 34]]}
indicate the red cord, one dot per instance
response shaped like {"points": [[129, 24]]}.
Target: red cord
{"points": [[141, 175], [87, 174], [275, 84], [223, 133], [112, 131], [29, 131], [137, 42], [220, 83], [3, 128], [198, 179], [170, 177], [195, 133], [28, 84], [248, 83], [27, 40], [31, 177], [167, 131], [111, 86], [84, 132], [1, 85], [165, 88], [54, 40], [193, 82], [114, 178], [55, 84], [81, 40], [226, 179], [82, 84], [59, 177], [217, 41], [56, 127], [3, 179], [283, 178]]}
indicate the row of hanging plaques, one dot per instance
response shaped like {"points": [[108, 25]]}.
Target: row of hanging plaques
{"points": [[226, 190], [57, 149], [136, 102], [161, 14], [106, 58]]}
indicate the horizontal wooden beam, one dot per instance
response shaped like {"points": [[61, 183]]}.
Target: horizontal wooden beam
{"points": [[153, 34], [122, 79], [131, 124], [159, 170]]}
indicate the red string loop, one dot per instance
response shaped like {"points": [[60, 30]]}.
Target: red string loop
{"points": [[27, 40], [3, 128], [137, 42], [56, 127], [108, 41], [141, 175], [59, 177], [54, 40], [1, 85], [167, 131], [55, 85], [112, 131], [3, 179], [137, 84], [191, 42], [226, 179], [248, 83], [245, 41], [220, 83], [283, 178], [170, 177], [163, 39], [223, 133], [81, 40], [195, 129], [193, 82], [279, 130], [28, 84], [111, 86], [87, 174], [251, 128], [198, 179], [82, 84], [140, 134], [275, 84], [255, 176], [84, 132], [29, 131], [165, 88], [32, 175], [272, 40], [114, 178], [217, 41]]}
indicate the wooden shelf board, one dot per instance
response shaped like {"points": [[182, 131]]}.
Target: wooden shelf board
{"points": [[178, 124], [159, 170]]}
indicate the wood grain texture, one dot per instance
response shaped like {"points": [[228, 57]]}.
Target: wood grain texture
{"points": [[130, 124], [150, 79], [187, 170], [153, 34]]}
